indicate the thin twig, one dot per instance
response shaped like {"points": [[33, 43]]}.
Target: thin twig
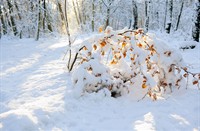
{"points": [[75, 58], [142, 97]]}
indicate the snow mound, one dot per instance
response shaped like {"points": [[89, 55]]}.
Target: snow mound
{"points": [[129, 61], [22, 120]]}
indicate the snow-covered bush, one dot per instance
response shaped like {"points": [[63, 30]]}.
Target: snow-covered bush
{"points": [[129, 60]]}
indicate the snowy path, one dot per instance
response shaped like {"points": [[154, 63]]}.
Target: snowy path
{"points": [[35, 95]]}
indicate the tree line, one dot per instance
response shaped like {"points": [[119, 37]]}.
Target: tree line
{"points": [[34, 18]]}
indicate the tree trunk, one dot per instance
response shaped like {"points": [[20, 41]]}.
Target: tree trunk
{"points": [[108, 17], [93, 11], [83, 18], [38, 22], [169, 22], [20, 18], [44, 15], [179, 16], [49, 26], [61, 12], [69, 37], [147, 16], [196, 28], [108, 14], [166, 5], [2, 26], [135, 15], [13, 25], [78, 22]]}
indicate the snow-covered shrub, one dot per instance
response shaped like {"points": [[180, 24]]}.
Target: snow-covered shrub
{"points": [[126, 60]]}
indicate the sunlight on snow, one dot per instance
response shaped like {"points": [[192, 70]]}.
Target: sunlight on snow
{"points": [[24, 64], [44, 76], [45, 92], [181, 120], [57, 45], [146, 124]]}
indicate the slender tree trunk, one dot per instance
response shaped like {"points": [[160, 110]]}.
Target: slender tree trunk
{"points": [[20, 18], [2, 26], [196, 28], [93, 11], [157, 18], [108, 14], [179, 16], [130, 21], [78, 22], [169, 22], [38, 22], [83, 13], [13, 24], [135, 15], [61, 15], [44, 15], [61, 12], [108, 17], [49, 26], [147, 15], [48, 21], [166, 5], [69, 36]]}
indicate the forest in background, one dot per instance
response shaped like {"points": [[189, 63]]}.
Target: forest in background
{"points": [[35, 18]]}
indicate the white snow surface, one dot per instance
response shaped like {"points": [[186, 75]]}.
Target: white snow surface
{"points": [[36, 94]]}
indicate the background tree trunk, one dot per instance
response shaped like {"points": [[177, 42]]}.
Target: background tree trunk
{"points": [[147, 15], [69, 36], [12, 20], [165, 17], [3, 29], [179, 16], [38, 22], [196, 28], [169, 22], [93, 11], [135, 14], [76, 14]]}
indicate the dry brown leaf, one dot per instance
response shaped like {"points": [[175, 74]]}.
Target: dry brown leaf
{"points": [[100, 29], [170, 69], [95, 47], [123, 44], [154, 97], [139, 45], [103, 43], [113, 62], [185, 75], [195, 82], [144, 85], [102, 53], [85, 48], [124, 54]]}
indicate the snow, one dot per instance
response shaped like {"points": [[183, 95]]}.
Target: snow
{"points": [[36, 93]]}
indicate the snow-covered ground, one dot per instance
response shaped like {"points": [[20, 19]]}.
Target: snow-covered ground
{"points": [[36, 94]]}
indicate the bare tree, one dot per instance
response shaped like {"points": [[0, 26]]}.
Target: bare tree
{"points": [[12, 24], [135, 14], [166, 5], [147, 13], [69, 36], [196, 28], [38, 21], [179, 16], [75, 11], [169, 21], [93, 11], [3, 29], [108, 6]]}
